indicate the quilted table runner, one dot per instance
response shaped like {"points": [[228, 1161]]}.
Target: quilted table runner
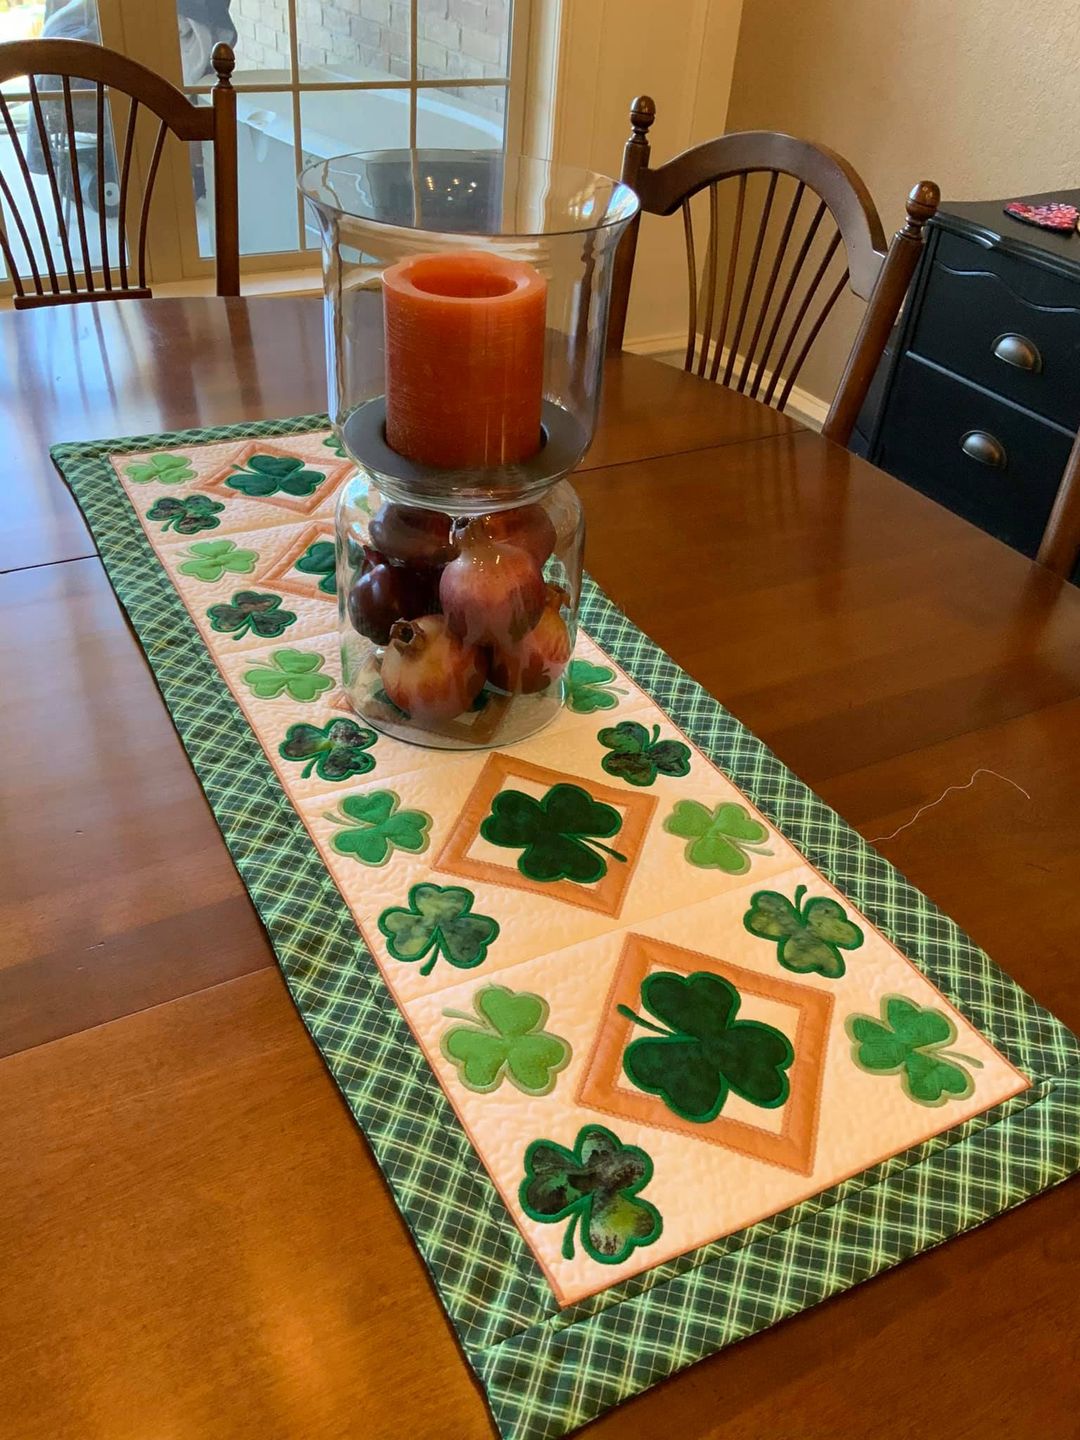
{"points": [[652, 1049]]}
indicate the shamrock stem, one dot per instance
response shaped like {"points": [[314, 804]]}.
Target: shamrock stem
{"points": [[955, 1055], [459, 1015], [568, 1238], [629, 1014], [427, 969], [587, 840], [306, 772], [800, 891]]}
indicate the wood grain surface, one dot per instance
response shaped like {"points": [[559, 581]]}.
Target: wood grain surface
{"points": [[197, 1242]]}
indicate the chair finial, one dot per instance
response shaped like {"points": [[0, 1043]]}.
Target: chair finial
{"points": [[642, 115], [224, 63], [922, 203]]}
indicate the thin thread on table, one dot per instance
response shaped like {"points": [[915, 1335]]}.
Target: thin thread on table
{"points": [[949, 789]]}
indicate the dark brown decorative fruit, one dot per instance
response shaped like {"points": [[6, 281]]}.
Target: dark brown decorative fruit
{"points": [[538, 658], [491, 593], [385, 593], [429, 673], [410, 535]]}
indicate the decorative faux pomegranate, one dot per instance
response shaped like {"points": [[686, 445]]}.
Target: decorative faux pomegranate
{"points": [[410, 535], [429, 673], [491, 593], [539, 657], [527, 526], [385, 593]]}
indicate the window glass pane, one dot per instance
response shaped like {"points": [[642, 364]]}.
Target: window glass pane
{"points": [[85, 171], [464, 118], [266, 162], [463, 39], [258, 30], [49, 20], [333, 122], [352, 39]]}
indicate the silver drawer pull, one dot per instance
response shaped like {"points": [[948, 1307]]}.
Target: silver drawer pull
{"points": [[985, 448], [1019, 352]]}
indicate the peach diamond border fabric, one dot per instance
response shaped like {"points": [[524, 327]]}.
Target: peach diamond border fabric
{"points": [[547, 1366]]}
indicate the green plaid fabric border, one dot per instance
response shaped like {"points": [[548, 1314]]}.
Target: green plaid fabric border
{"points": [[547, 1371]]}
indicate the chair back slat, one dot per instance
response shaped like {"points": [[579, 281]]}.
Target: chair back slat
{"points": [[711, 262], [751, 277], [785, 298], [50, 170], [148, 192], [800, 315], [76, 181], [759, 321], [103, 229], [691, 268], [125, 177], [770, 287], [87, 261], [35, 206]]}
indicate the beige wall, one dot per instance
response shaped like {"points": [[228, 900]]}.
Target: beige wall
{"points": [[982, 96], [679, 51]]}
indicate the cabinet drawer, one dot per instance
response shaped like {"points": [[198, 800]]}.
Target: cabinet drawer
{"points": [[1005, 482], [980, 318]]}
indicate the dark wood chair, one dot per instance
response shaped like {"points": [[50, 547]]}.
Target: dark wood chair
{"points": [[60, 144], [753, 325], [1059, 549]]}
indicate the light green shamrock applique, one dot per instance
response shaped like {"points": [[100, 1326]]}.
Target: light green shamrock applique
{"points": [[209, 560], [505, 1040], [375, 827], [288, 672], [911, 1041]]}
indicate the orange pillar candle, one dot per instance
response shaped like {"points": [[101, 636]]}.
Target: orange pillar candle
{"points": [[464, 358]]}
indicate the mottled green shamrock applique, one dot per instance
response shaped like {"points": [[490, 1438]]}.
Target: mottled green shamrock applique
{"points": [[335, 751], [249, 612], [638, 757], [318, 559], [911, 1041], [291, 672], [588, 687], [264, 475], [706, 1052], [505, 1040], [558, 833], [720, 839], [810, 937], [186, 514], [596, 1186], [374, 827], [438, 920], [209, 560], [165, 469]]}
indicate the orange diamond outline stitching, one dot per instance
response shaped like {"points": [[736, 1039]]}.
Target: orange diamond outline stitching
{"points": [[607, 895], [306, 586], [794, 1147], [335, 471]]}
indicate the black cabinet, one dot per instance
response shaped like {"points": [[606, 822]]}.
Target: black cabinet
{"points": [[980, 400]]}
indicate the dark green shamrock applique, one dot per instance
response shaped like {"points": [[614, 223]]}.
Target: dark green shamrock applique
{"points": [[288, 672], [596, 1186], [249, 612], [718, 839], [335, 751], [264, 475], [374, 827], [209, 560], [186, 514], [706, 1052], [438, 920], [333, 443], [638, 756], [588, 687], [505, 1040], [810, 937], [165, 469], [318, 559], [557, 834], [912, 1041]]}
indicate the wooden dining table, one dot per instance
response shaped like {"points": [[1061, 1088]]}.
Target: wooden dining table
{"points": [[195, 1242]]}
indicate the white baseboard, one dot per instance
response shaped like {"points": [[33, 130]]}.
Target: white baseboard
{"points": [[671, 350]]}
